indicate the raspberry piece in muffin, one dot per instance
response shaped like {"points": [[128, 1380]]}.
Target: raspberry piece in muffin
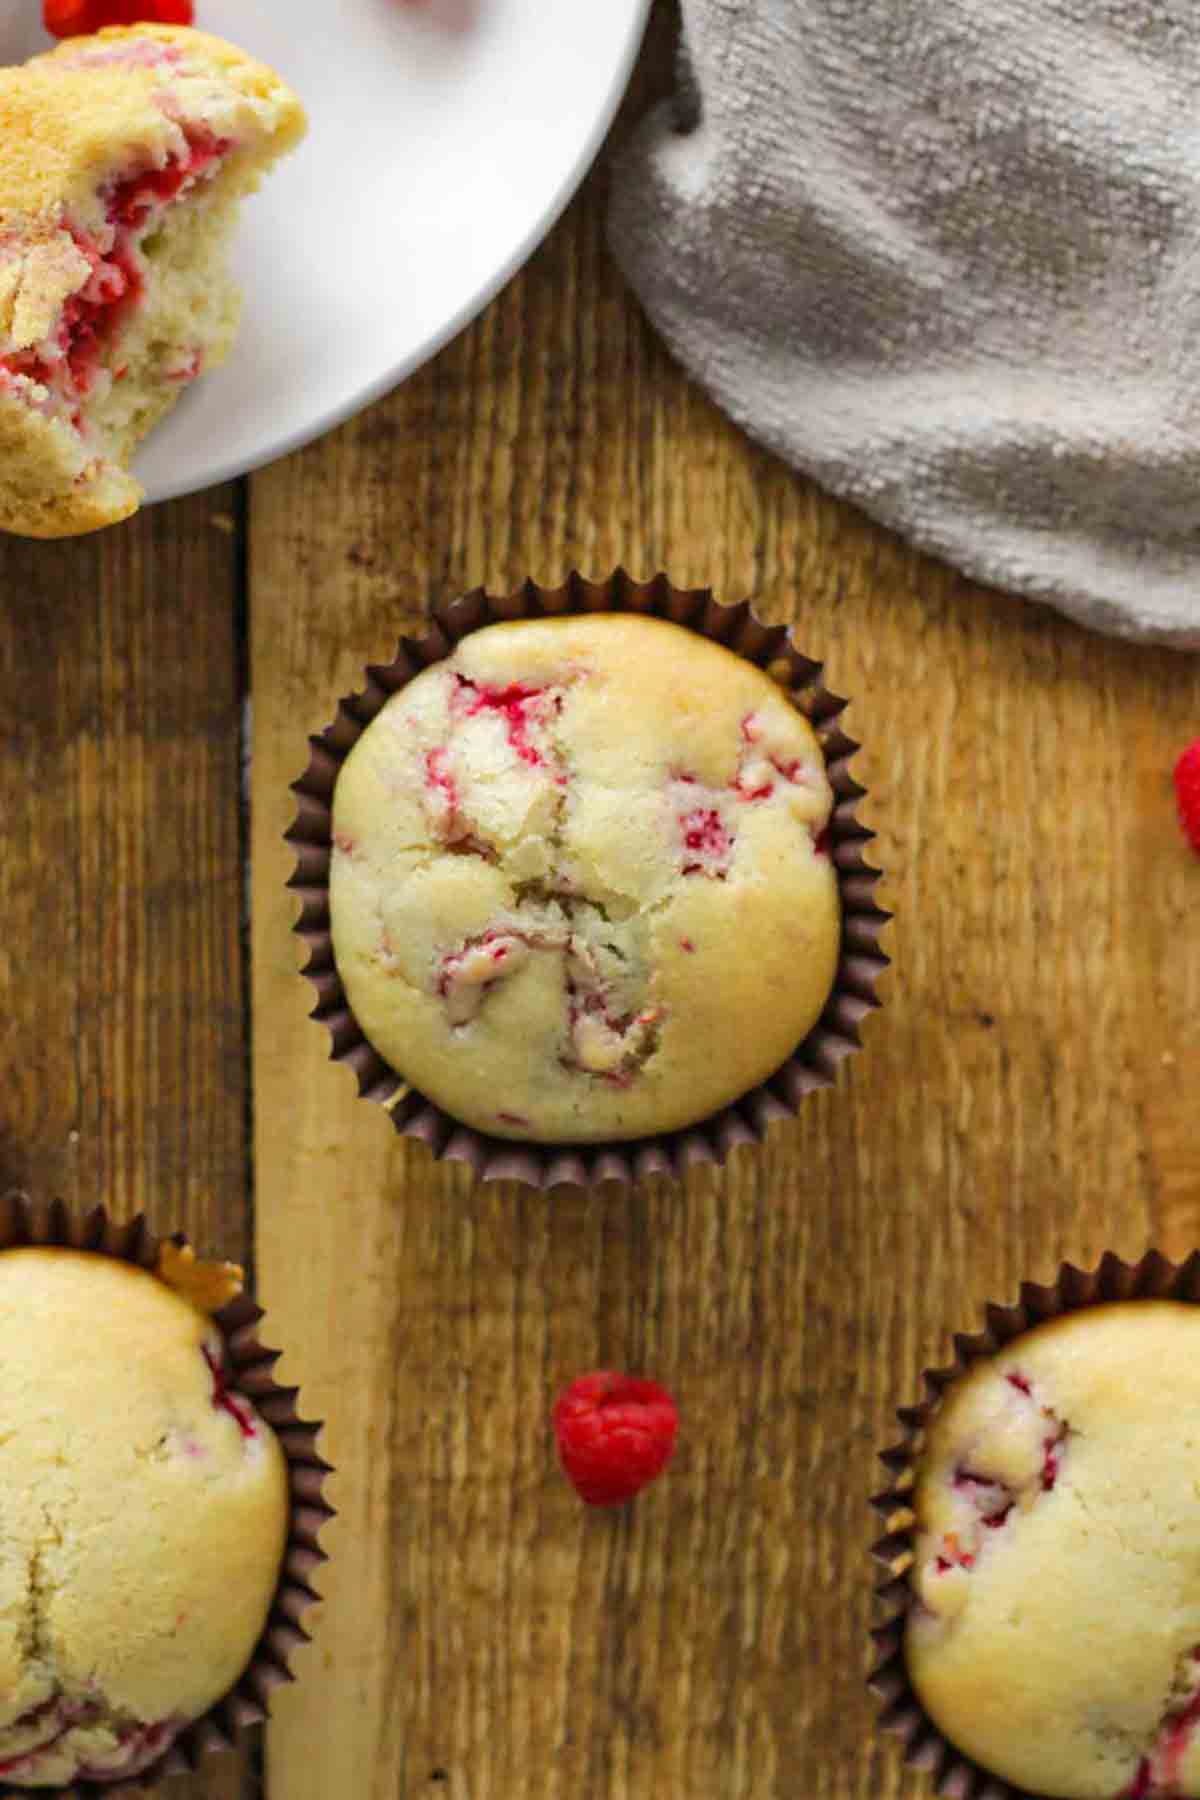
{"points": [[145, 1517], [1055, 1631], [123, 158], [580, 889]]}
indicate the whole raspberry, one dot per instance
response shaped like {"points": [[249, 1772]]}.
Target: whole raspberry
{"points": [[615, 1433], [77, 18], [1187, 792]]}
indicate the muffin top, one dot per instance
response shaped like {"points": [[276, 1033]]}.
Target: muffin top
{"points": [[144, 1514], [121, 157], [83, 125], [580, 889], [66, 115], [1055, 1634]]}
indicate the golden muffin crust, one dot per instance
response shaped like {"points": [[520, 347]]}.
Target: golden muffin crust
{"points": [[144, 1515], [580, 888], [139, 294], [68, 117], [1055, 1636]]}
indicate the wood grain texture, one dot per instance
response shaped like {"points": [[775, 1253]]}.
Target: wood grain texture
{"points": [[1028, 1094], [122, 1055], [121, 1033]]}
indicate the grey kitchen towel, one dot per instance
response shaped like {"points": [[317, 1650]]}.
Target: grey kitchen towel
{"points": [[944, 256]]}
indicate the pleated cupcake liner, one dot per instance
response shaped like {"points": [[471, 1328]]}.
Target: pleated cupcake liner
{"points": [[814, 1063], [24, 1221], [901, 1713]]}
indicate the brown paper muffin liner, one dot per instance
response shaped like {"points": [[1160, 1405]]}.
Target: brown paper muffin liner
{"points": [[813, 1064], [25, 1221], [901, 1714]]}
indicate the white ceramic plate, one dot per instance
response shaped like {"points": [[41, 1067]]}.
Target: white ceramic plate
{"points": [[442, 148]]}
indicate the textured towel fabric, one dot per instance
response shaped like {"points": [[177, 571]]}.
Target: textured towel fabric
{"points": [[945, 257]]}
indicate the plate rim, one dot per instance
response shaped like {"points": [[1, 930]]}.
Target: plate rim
{"points": [[398, 372]]}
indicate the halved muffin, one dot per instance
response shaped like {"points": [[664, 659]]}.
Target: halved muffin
{"points": [[123, 158]]}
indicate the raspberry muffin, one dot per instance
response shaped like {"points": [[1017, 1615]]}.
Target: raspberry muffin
{"points": [[145, 1512], [1055, 1634], [123, 158], [580, 888]]}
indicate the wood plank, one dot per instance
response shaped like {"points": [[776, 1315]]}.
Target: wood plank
{"points": [[122, 1053], [1027, 1095]]}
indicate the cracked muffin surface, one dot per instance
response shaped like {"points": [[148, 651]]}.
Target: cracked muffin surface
{"points": [[580, 886], [1055, 1630], [143, 1517]]}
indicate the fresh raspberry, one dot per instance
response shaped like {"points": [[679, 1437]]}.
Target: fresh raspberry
{"points": [[615, 1433], [78, 18], [1187, 792], [68, 18]]}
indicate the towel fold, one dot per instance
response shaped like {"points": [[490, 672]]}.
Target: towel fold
{"points": [[945, 258]]}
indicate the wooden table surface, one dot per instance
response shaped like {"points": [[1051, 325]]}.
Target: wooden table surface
{"points": [[1027, 1094]]}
